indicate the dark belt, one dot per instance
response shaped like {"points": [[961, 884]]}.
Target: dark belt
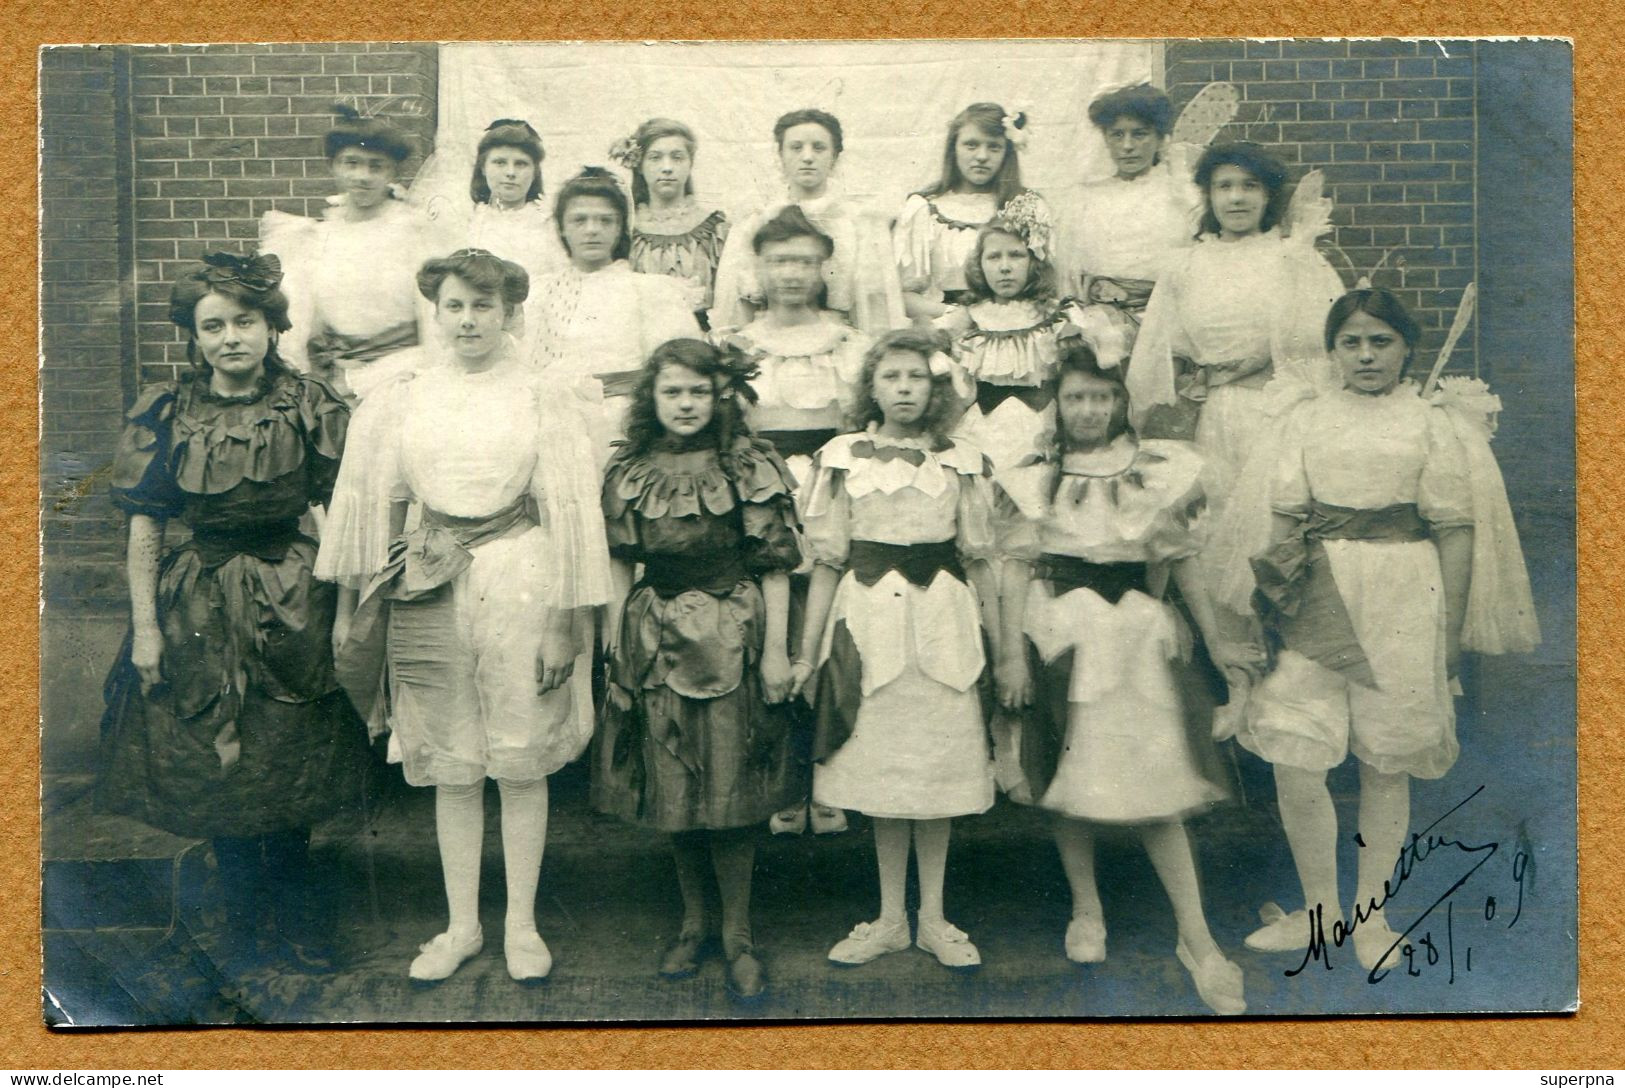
{"points": [[1400, 523], [619, 383], [714, 573], [990, 395], [870, 561], [329, 349], [1065, 573], [266, 540], [792, 443], [1136, 293], [962, 297]]}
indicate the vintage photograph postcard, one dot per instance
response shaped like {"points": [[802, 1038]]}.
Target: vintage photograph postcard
{"points": [[544, 532]]}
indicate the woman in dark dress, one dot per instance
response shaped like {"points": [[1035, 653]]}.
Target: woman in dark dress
{"points": [[692, 741], [224, 720]]}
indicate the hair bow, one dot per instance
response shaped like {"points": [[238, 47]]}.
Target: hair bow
{"points": [[628, 152], [259, 273], [740, 367], [1015, 128]]}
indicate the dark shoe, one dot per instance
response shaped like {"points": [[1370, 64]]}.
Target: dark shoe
{"points": [[682, 957], [747, 981]]}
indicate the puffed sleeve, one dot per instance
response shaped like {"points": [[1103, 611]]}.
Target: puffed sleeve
{"points": [[826, 512], [1180, 526], [1289, 482], [575, 551], [142, 483], [1103, 335], [956, 322], [911, 244], [767, 508], [974, 518], [736, 277], [356, 534], [1444, 495], [293, 238], [1015, 535], [617, 497], [665, 313], [1298, 326], [1500, 616], [1151, 374], [849, 368], [326, 420]]}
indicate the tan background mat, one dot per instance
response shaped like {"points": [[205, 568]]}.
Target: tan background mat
{"points": [[1594, 1038]]}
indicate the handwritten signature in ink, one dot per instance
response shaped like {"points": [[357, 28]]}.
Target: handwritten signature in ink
{"points": [[1423, 846]]}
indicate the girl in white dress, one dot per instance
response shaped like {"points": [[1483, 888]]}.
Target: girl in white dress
{"points": [[1006, 334], [1121, 233], [897, 518], [477, 616], [936, 229], [1236, 306], [809, 360], [861, 277], [597, 321], [1092, 533], [673, 234], [1392, 552], [809, 356], [350, 310]]}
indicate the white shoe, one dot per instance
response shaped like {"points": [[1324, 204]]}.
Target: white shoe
{"points": [[528, 957], [440, 957], [1281, 932], [1219, 982], [869, 941], [826, 820], [790, 821], [1086, 940], [948, 943], [1376, 946]]}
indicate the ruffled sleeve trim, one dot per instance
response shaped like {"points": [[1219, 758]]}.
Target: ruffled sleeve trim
{"points": [[140, 482]]}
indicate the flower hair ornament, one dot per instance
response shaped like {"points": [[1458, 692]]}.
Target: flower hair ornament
{"points": [[254, 272], [1016, 122], [1026, 216], [628, 152]]}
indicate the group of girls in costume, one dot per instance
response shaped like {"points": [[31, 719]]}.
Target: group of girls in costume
{"points": [[1069, 481]]}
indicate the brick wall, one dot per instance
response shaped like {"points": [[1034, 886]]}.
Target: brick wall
{"points": [[85, 376], [1391, 125]]}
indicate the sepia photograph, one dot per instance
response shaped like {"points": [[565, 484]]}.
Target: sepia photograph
{"points": [[549, 532]]}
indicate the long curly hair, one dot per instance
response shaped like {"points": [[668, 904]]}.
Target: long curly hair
{"points": [[1268, 169], [506, 132], [989, 117], [1042, 279], [945, 406], [252, 281], [729, 370], [599, 182]]}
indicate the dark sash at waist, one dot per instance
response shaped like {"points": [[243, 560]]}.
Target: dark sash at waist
{"points": [[959, 297], [870, 560], [1065, 573], [1121, 292], [716, 573], [1401, 522], [792, 443], [329, 349], [266, 540], [990, 395], [440, 548]]}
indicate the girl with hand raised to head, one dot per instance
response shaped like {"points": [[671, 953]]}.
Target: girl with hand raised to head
{"points": [[897, 519]]}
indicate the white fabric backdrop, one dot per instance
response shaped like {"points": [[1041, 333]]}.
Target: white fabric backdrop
{"points": [[894, 101]]}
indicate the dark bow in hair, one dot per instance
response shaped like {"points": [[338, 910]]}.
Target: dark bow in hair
{"points": [[739, 368], [259, 273]]}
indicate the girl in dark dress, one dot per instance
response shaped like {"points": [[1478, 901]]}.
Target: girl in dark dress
{"points": [[692, 740], [224, 720]]}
